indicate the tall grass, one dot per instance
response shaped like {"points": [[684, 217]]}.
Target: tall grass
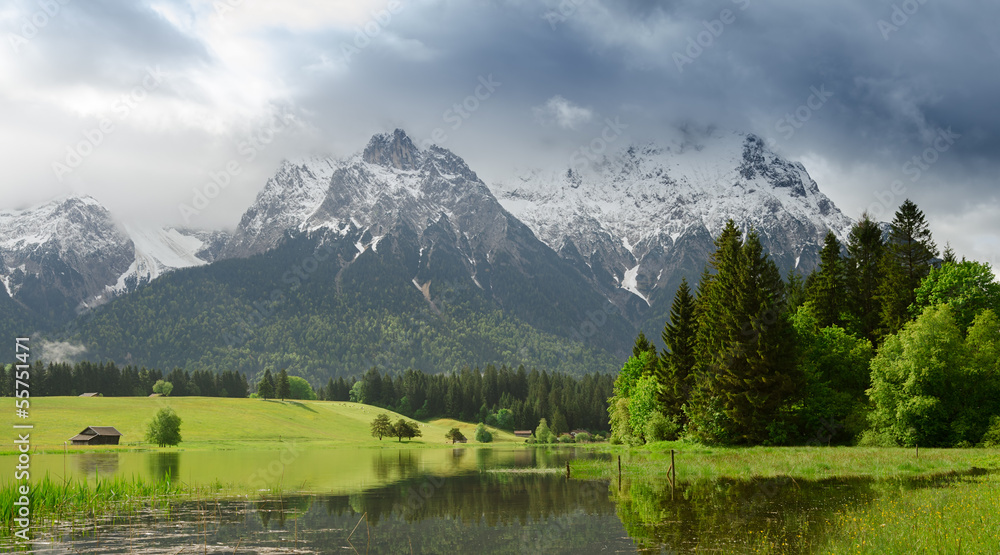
{"points": [[963, 517], [114, 495]]}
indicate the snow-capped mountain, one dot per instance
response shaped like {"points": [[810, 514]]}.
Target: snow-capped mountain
{"points": [[645, 216], [70, 254], [430, 211]]}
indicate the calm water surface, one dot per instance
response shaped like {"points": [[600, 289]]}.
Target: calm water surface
{"points": [[454, 501]]}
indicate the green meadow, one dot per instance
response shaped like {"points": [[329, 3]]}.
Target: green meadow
{"points": [[224, 423]]}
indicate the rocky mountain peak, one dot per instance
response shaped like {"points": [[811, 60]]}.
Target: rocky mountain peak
{"points": [[394, 151]]}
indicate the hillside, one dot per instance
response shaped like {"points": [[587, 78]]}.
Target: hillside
{"points": [[214, 423]]}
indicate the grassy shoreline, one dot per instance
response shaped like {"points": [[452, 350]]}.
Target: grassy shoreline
{"points": [[696, 462]]}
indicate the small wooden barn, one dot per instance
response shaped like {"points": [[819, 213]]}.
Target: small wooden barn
{"points": [[97, 435], [523, 433], [95, 394]]}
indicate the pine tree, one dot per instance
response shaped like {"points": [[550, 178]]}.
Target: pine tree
{"points": [[906, 262], [265, 389], [949, 254], [284, 389], [795, 289], [865, 249], [827, 289], [677, 362], [747, 373]]}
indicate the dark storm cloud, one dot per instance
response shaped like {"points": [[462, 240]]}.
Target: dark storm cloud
{"points": [[855, 88], [104, 42]]}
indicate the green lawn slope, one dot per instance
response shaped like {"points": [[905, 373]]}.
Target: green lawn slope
{"points": [[214, 423]]}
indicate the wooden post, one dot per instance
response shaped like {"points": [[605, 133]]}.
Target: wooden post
{"points": [[918, 451], [567, 470], [619, 472], [673, 469]]}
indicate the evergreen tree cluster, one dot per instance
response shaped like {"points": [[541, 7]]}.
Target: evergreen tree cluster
{"points": [[110, 380], [871, 345], [501, 397]]}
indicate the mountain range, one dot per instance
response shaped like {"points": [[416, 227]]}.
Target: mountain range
{"points": [[402, 257]]}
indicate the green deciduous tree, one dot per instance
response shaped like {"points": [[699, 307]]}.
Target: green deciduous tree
{"points": [[969, 287], [165, 429], [407, 429], [299, 388], [455, 435], [543, 434], [482, 434], [914, 380], [382, 426], [163, 388]]}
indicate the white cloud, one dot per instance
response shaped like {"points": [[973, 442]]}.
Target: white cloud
{"points": [[563, 113]]}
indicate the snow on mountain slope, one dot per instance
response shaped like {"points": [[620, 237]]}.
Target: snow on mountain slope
{"points": [[158, 251], [71, 254], [285, 203], [646, 215], [63, 251]]}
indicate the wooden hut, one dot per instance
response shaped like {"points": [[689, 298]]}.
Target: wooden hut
{"points": [[523, 433], [90, 395], [97, 435]]}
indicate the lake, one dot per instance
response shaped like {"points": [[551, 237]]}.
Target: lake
{"points": [[462, 500]]}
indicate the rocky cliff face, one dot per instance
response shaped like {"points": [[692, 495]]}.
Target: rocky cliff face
{"points": [[645, 216]]}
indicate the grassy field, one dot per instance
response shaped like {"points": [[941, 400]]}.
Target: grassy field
{"points": [[219, 423], [651, 462]]}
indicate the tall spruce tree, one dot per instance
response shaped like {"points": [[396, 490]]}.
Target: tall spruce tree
{"points": [[283, 387], [676, 368], [265, 389], [865, 249], [906, 262], [747, 373], [828, 288]]}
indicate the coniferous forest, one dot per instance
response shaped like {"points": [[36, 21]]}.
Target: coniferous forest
{"points": [[884, 344]]}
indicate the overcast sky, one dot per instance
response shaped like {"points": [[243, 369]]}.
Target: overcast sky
{"points": [[140, 103]]}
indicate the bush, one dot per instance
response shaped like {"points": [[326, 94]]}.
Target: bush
{"points": [[543, 434], [165, 429], [299, 388], [162, 387], [482, 434], [583, 437], [660, 428], [566, 438], [992, 436], [599, 437]]}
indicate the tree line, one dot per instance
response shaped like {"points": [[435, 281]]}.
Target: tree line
{"points": [[111, 380], [884, 344], [502, 397]]}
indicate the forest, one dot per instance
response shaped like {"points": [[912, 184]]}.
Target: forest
{"points": [[884, 344]]}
